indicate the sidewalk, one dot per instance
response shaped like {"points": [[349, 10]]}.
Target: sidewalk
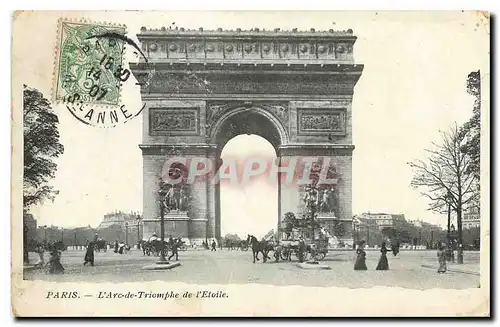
{"points": [[466, 268]]}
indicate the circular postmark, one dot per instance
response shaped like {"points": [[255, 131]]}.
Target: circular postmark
{"points": [[91, 73]]}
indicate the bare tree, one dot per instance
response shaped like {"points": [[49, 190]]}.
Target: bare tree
{"points": [[445, 178]]}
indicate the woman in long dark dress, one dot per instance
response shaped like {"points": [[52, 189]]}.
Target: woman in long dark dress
{"points": [[383, 264], [55, 266], [89, 255], [361, 258], [441, 259]]}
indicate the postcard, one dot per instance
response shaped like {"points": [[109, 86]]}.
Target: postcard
{"points": [[250, 164]]}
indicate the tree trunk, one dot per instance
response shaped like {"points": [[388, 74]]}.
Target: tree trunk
{"points": [[26, 259], [460, 250]]}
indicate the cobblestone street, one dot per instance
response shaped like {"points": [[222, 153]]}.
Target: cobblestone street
{"points": [[410, 269]]}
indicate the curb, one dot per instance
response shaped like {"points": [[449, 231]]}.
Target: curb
{"points": [[468, 272]]}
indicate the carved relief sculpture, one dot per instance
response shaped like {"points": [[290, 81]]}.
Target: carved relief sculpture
{"points": [[180, 120], [321, 121]]}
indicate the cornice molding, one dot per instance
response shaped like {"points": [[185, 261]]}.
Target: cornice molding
{"points": [[254, 32]]}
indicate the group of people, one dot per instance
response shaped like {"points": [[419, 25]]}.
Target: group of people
{"points": [[213, 245], [120, 247], [383, 263]]}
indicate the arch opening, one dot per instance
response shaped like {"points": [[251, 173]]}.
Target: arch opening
{"points": [[248, 207], [249, 121]]}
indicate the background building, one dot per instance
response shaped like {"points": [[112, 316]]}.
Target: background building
{"points": [[121, 226], [471, 218], [374, 228], [382, 220], [119, 218]]}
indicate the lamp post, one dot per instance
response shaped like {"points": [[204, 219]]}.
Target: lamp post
{"points": [[126, 233], [44, 228], [162, 194], [448, 202], [75, 239], [432, 239], [138, 233], [355, 231], [452, 241]]}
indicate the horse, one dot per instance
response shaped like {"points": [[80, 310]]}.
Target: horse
{"points": [[259, 246]]}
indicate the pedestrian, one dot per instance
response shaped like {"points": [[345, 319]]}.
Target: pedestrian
{"points": [[121, 248], [214, 246], [361, 257], [441, 254], [116, 246], [395, 248], [175, 250], [383, 264], [89, 254], [55, 266], [40, 250]]}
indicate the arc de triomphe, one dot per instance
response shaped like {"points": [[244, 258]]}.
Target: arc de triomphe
{"points": [[202, 88]]}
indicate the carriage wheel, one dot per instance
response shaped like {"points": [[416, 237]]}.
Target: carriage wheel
{"points": [[284, 254], [319, 256], [306, 255]]}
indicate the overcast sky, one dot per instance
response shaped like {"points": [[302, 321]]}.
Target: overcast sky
{"points": [[413, 85]]}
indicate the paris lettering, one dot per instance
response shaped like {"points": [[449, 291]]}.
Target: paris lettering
{"points": [[62, 295]]}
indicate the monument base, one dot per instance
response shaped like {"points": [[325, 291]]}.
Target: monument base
{"points": [[176, 225], [162, 266], [313, 265]]}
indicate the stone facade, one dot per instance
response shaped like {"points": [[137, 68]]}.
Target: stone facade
{"points": [[202, 88]]}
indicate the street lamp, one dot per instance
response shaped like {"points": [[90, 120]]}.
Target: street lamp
{"points": [[44, 228], [355, 230], [138, 231], [448, 198], [162, 194], [126, 233]]}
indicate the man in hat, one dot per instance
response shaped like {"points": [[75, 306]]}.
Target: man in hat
{"points": [[89, 254]]}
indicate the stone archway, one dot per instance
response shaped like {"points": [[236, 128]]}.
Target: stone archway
{"points": [[245, 120], [201, 88]]}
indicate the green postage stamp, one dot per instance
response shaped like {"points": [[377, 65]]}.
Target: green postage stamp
{"points": [[89, 63]]}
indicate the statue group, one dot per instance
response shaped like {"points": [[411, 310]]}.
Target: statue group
{"points": [[323, 200], [177, 197]]}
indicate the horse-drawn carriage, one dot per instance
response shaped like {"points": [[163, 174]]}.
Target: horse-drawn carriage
{"points": [[153, 246], [304, 250], [303, 241]]}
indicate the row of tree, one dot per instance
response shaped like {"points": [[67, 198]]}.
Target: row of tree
{"points": [[450, 175], [80, 235]]}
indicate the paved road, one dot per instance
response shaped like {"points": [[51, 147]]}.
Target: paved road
{"points": [[223, 267]]}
